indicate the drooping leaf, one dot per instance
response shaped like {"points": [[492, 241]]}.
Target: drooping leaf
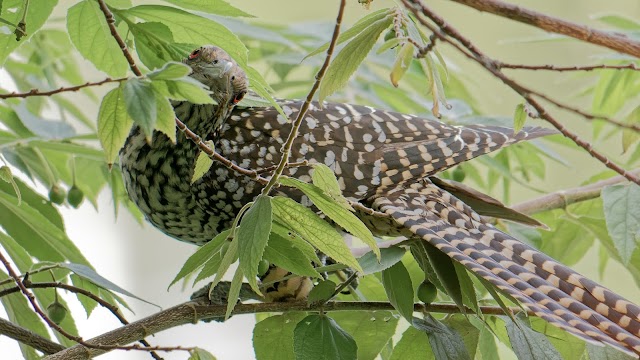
{"points": [[201, 256], [91, 36], [622, 214], [203, 164], [519, 118], [283, 253], [318, 337], [253, 235], [348, 60], [343, 217], [529, 344], [91, 275], [446, 343], [218, 7], [399, 289], [370, 329], [234, 292], [114, 123], [313, 229], [402, 63], [388, 257], [166, 122], [141, 104], [273, 336]]}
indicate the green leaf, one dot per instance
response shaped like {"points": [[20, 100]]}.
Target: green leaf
{"points": [[446, 343], [234, 292], [414, 345], [362, 24], [466, 286], [371, 330], [200, 257], [36, 17], [203, 164], [253, 235], [90, 34], [224, 263], [388, 257], [465, 328], [399, 289], [200, 354], [445, 272], [348, 60], [622, 214], [296, 241], [166, 122], [91, 275], [324, 178], [619, 22], [140, 101], [343, 217], [39, 203], [192, 29], [630, 136], [155, 45], [7, 176], [529, 344], [402, 63], [318, 337], [321, 292], [314, 230], [114, 123], [597, 352], [87, 303], [519, 118], [569, 346], [273, 336], [283, 253], [184, 89], [218, 7], [170, 71]]}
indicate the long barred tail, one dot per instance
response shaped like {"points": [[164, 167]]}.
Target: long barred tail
{"points": [[552, 291]]}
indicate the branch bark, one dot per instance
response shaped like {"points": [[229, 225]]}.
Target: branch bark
{"points": [[29, 338], [613, 41], [191, 312]]}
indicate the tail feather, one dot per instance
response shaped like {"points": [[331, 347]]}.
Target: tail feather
{"points": [[552, 291]]}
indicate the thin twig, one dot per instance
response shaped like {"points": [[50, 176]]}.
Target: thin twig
{"points": [[36, 92], [611, 40], [445, 30], [189, 312], [630, 66], [286, 149]]}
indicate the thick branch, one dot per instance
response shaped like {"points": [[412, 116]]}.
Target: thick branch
{"points": [[191, 312], [28, 337], [613, 41], [563, 198]]}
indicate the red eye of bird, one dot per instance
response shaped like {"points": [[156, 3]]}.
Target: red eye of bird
{"points": [[194, 54]]}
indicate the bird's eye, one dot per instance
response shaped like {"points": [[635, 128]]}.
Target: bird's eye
{"points": [[194, 54], [215, 62]]}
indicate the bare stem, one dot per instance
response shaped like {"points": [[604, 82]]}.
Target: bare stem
{"points": [[36, 92]]}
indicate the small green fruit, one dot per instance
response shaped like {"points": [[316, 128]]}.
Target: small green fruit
{"points": [[263, 267], [427, 292], [75, 196], [458, 174], [390, 34], [57, 194], [56, 312]]}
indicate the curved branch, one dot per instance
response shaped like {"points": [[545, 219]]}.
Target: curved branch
{"points": [[613, 41], [191, 312]]}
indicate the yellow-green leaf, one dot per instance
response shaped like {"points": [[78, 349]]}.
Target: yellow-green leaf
{"points": [[114, 123], [402, 63], [203, 164], [519, 118]]}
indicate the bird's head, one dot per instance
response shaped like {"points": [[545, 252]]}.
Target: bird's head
{"points": [[214, 67]]}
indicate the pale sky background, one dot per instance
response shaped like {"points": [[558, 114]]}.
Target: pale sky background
{"points": [[144, 261]]}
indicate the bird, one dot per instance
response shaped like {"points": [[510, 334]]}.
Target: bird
{"points": [[383, 160]]}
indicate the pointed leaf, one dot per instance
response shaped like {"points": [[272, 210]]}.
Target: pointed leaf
{"points": [[343, 217], [184, 89], [348, 60], [200, 257], [234, 292], [402, 63], [155, 45], [90, 34], [622, 214], [166, 117], [114, 123], [519, 118], [203, 164], [313, 229], [318, 337], [253, 235], [325, 179], [529, 344], [388, 257], [141, 105], [446, 343], [399, 289], [283, 253]]}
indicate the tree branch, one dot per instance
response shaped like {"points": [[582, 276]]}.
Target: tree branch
{"points": [[613, 41], [36, 92], [191, 312], [28, 337], [563, 198]]}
